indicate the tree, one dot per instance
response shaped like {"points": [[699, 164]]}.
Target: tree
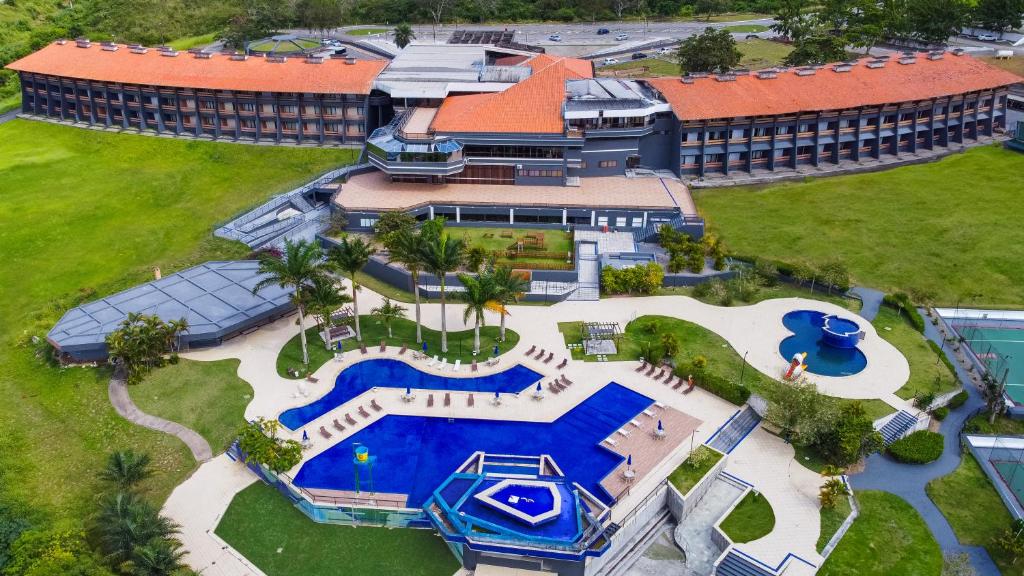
{"points": [[852, 436], [404, 35], [934, 21], [349, 257], [320, 15], [831, 491], [475, 258], [1012, 543], [387, 313], [125, 469], [999, 15], [670, 344], [510, 287], [800, 411], [436, 10], [954, 564], [299, 264], [791, 20], [158, 557], [259, 443], [835, 275], [322, 298], [803, 273], [710, 51], [710, 7], [140, 342], [407, 250], [62, 551], [817, 49], [124, 520], [254, 19], [391, 225], [480, 295], [439, 255]]}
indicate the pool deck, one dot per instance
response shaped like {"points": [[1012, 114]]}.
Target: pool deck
{"points": [[762, 459]]}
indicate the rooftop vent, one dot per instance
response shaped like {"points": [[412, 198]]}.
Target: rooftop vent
{"points": [[806, 71], [725, 77], [134, 46], [767, 74], [686, 80], [83, 43], [239, 57], [109, 48], [958, 51], [883, 57], [740, 71], [170, 53], [314, 59], [936, 55], [876, 64], [139, 50], [203, 55], [277, 59], [907, 60], [336, 56], [164, 48], [350, 60], [697, 74], [842, 68], [62, 41], [194, 50]]}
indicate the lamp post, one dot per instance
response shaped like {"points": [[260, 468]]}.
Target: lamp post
{"points": [[743, 368]]}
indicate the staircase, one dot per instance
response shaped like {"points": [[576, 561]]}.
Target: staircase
{"points": [[897, 426], [649, 233], [589, 270], [736, 564], [735, 430]]}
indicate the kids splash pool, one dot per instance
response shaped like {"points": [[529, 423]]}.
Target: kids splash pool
{"points": [[829, 341]]}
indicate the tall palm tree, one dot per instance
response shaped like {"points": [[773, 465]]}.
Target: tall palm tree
{"points": [[387, 313], [125, 520], [175, 329], [406, 251], [350, 256], [322, 298], [511, 288], [480, 295], [125, 469], [404, 35], [442, 254], [300, 263], [158, 557]]}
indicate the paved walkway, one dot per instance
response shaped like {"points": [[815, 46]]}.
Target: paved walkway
{"points": [[118, 393], [908, 481], [8, 116], [871, 301]]}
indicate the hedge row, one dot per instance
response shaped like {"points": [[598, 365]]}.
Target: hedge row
{"points": [[945, 360], [898, 300], [958, 400], [921, 447], [721, 387]]}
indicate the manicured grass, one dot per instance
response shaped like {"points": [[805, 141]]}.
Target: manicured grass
{"points": [[10, 103], [271, 533], [686, 476], [781, 290], [831, 520], [207, 397], [751, 519], [285, 46], [740, 28], [646, 67], [490, 239], [460, 343], [931, 227], [968, 500], [84, 214], [926, 375], [760, 53], [384, 289], [809, 458], [889, 537], [193, 41], [1015, 65], [1003, 426], [365, 31], [731, 17]]}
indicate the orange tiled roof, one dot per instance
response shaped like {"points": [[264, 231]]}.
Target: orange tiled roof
{"points": [[707, 98], [533, 106], [186, 71]]}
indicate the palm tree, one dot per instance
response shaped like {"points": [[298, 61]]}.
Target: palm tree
{"points": [[442, 254], [125, 469], [124, 521], [510, 288], [175, 328], [404, 35], [158, 557], [480, 294], [300, 263], [387, 313], [350, 256], [406, 251], [322, 298]]}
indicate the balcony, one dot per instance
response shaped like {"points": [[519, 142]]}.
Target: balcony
{"points": [[389, 151]]}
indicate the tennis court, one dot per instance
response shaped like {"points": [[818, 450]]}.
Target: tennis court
{"points": [[997, 339], [1002, 460]]}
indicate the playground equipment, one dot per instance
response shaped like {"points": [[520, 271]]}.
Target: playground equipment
{"points": [[796, 366], [362, 462]]}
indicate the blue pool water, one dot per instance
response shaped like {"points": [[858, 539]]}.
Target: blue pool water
{"points": [[363, 376], [822, 359], [415, 454], [565, 526]]}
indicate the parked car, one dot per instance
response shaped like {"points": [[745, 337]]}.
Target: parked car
{"points": [[638, 56], [602, 31], [610, 61], [555, 37], [665, 51], [987, 37], [622, 37], [751, 37], [339, 50]]}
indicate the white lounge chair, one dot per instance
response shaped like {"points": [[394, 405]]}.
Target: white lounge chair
{"points": [[457, 364], [443, 364], [623, 432], [660, 405], [611, 442], [433, 361], [635, 423], [649, 413]]}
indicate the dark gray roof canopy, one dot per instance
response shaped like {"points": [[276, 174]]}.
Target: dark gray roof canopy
{"points": [[215, 297]]}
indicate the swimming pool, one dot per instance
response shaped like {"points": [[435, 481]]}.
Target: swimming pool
{"points": [[822, 358], [387, 373], [416, 454]]}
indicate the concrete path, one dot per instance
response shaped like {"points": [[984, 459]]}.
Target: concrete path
{"points": [[118, 393], [694, 534], [871, 301], [908, 481], [8, 116]]}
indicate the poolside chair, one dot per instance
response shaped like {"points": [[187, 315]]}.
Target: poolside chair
{"points": [[469, 401], [458, 363], [351, 421], [562, 364], [373, 404], [554, 389], [338, 426], [402, 351], [690, 388], [642, 366], [324, 432], [566, 381], [363, 412], [383, 345], [530, 351], [474, 368], [559, 385], [623, 432], [362, 348], [430, 400], [432, 361], [551, 356], [312, 379], [635, 424], [443, 364], [447, 399], [648, 413], [610, 441], [540, 354], [678, 384], [651, 370], [660, 375]]}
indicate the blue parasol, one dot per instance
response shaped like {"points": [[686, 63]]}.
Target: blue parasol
{"points": [[629, 460], [538, 386], [660, 427], [408, 391], [496, 350], [496, 395], [424, 347], [305, 437]]}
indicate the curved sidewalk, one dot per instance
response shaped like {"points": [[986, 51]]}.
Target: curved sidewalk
{"points": [[123, 404]]}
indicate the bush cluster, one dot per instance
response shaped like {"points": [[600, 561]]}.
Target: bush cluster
{"points": [[940, 413], [921, 447], [721, 387], [644, 279], [900, 300], [938, 350], [959, 400]]}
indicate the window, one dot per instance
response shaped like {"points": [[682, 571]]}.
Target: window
{"points": [[712, 158], [247, 107], [637, 222], [247, 124], [779, 130], [541, 173], [608, 163], [806, 127], [367, 222], [290, 126], [803, 150], [620, 222], [759, 154], [288, 109], [602, 220]]}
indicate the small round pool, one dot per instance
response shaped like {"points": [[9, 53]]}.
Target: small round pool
{"points": [[829, 341]]}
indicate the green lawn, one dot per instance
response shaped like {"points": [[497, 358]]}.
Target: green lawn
{"points": [[831, 520], [207, 397], [759, 53], [932, 226], [756, 53], [491, 239], [740, 28], [284, 47], [365, 31], [730, 17], [1002, 426], [281, 541], [926, 375], [193, 41], [686, 476], [984, 519], [654, 67], [83, 214], [10, 102], [782, 290], [751, 519], [889, 537], [460, 343]]}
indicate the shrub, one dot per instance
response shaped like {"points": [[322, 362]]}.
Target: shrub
{"points": [[766, 273], [634, 280], [700, 456], [922, 400], [938, 351], [900, 301], [921, 447], [721, 387], [958, 400], [940, 413]]}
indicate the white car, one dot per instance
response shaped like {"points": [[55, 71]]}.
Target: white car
{"points": [[664, 51], [555, 37], [987, 37], [610, 61], [622, 37]]}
